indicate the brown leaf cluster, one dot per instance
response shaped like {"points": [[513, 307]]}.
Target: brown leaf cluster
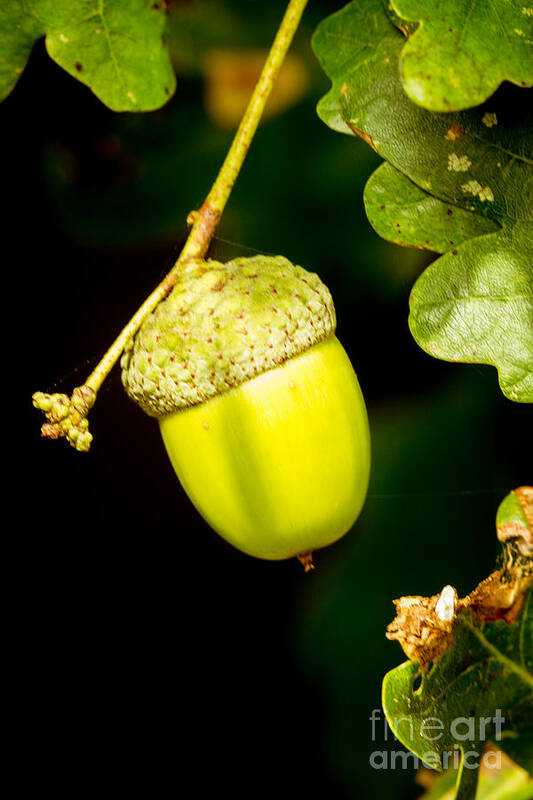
{"points": [[424, 625]]}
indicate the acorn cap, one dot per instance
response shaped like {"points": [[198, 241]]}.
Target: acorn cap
{"points": [[221, 325]]}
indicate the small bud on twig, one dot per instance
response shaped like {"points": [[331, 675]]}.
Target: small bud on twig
{"points": [[67, 416]]}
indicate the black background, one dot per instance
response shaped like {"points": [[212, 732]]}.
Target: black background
{"points": [[151, 653]]}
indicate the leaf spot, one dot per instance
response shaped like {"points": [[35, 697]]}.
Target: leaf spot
{"points": [[458, 163], [489, 119], [454, 132], [474, 188]]}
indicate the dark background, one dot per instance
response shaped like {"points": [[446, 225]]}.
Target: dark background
{"points": [[152, 653]]}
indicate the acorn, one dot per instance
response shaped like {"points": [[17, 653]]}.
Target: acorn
{"points": [[259, 407]]}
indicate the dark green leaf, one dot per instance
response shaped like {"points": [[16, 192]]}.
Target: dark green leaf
{"points": [[462, 50], [115, 47], [475, 161], [479, 159], [481, 689], [403, 213]]}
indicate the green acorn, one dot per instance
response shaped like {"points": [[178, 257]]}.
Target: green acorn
{"points": [[259, 407]]}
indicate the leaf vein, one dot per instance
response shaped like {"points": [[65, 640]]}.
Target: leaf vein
{"points": [[522, 673], [100, 13]]}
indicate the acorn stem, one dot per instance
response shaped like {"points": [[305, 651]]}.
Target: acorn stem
{"points": [[206, 219], [204, 222], [306, 560]]}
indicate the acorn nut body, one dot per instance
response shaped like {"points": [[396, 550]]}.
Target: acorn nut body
{"points": [[259, 407]]}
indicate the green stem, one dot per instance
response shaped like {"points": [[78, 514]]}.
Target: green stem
{"points": [[205, 221], [67, 416], [467, 780]]}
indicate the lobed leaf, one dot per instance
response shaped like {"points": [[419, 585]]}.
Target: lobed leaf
{"points": [[480, 160], [115, 47], [462, 308], [462, 50], [476, 303]]}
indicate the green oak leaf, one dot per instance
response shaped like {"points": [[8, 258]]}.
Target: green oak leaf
{"points": [[512, 519], [407, 26], [480, 689], [479, 159], [459, 286], [462, 50], [475, 304], [403, 213], [476, 161], [115, 47]]}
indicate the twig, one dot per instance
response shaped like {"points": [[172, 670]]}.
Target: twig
{"points": [[66, 416]]}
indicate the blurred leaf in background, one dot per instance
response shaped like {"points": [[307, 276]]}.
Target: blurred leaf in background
{"points": [[498, 781], [230, 77]]}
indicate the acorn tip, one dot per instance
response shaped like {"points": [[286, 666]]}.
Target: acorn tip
{"points": [[306, 560]]}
